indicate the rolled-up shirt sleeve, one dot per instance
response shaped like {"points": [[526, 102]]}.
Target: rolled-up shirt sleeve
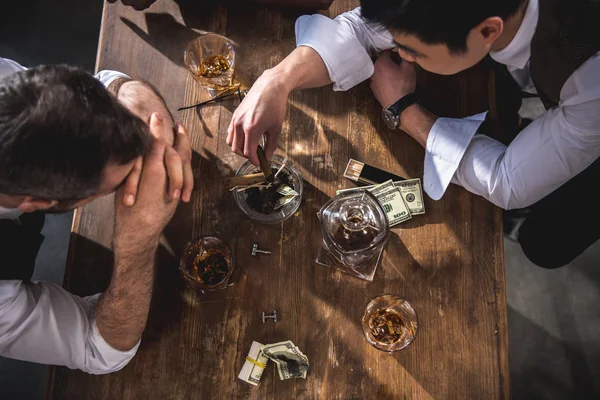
{"points": [[447, 143], [345, 44], [42, 322], [549, 152], [108, 76]]}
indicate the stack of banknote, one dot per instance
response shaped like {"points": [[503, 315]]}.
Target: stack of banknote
{"points": [[400, 200], [290, 361]]}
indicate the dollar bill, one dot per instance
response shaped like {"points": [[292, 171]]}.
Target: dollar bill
{"points": [[412, 192], [254, 365], [411, 189], [382, 188], [282, 201], [285, 190], [393, 203], [394, 206], [288, 194], [291, 362], [354, 189]]}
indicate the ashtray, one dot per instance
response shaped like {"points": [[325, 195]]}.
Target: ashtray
{"points": [[263, 204]]}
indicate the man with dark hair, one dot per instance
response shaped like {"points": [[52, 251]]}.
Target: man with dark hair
{"points": [[545, 47], [65, 140]]}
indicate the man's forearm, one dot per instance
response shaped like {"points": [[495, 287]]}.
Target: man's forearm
{"points": [[417, 121], [122, 310], [303, 68]]}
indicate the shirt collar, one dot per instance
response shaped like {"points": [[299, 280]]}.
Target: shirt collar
{"points": [[518, 51], [9, 213]]}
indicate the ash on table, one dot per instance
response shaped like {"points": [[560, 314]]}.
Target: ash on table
{"points": [[265, 200]]}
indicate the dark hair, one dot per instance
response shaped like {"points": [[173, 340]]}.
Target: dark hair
{"points": [[437, 21], [59, 130]]}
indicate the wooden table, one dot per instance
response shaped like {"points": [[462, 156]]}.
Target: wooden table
{"points": [[448, 263]]}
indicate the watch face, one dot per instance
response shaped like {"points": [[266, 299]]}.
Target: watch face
{"points": [[390, 119]]}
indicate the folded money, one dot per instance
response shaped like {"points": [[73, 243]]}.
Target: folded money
{"points": [[285, 190], [411, 190], [291, 362], [254, 365], [394, 206], [288, 194], [393, 203]]}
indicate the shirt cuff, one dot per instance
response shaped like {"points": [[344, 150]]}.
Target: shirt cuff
{"points": [[107, 359], [446, 145], [346, 60], [107, 76]]}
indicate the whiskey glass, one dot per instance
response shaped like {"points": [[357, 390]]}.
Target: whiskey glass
{"points": [[207, 264], [211, 60], [389, 323]]}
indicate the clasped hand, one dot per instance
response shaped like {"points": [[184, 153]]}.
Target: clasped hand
{"points": [[154, 205]]}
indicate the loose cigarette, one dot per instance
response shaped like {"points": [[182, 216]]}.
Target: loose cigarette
{"points": [[244, 180]]}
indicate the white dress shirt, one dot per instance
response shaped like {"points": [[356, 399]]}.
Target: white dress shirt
{"points": [[545, 155], [44, 323]]}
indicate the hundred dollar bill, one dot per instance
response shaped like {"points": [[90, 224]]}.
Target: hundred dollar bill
{"points": [[254, 365], [393, 203], [285, 190], [291, 363], [384, 187], [411, 190], [394, 206]]}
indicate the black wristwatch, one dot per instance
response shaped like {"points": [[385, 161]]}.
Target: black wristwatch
{"points": [[391, 115]]}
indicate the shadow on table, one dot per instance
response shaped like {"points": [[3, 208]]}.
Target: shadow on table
{"points": [[95, 261], [330, 288], [230, 104], [172, 47], [200, 17], [94, 270], [186, 225], [198, 14], [315, 144], [359, 104]]}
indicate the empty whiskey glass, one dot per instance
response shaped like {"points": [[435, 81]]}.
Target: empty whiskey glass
{"points": [[389, 323], [211, 60]]}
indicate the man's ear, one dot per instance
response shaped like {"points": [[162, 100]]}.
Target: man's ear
{"points": [[490, 29], [31, 204]]}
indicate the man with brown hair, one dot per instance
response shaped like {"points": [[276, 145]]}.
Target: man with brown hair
{"points": [[64, 141]]}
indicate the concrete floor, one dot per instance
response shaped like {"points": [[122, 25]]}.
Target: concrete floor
{"points": [[553, 317]]}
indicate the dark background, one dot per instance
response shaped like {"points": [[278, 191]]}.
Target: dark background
{"points": [[554, 316]]}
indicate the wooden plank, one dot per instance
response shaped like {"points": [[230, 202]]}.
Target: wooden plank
{"points": [[447, 263]]}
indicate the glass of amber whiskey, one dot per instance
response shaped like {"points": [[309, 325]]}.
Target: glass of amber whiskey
{"points": [[211, 60], [389, 323], [207, 264]]}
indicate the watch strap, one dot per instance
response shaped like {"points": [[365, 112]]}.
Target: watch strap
{"points": [[403, 103]]}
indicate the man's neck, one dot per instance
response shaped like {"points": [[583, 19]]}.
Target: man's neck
{"points": [[511, 27]]}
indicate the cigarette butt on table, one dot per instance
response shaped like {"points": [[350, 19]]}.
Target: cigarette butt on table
{"points": [[244, 180]]}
